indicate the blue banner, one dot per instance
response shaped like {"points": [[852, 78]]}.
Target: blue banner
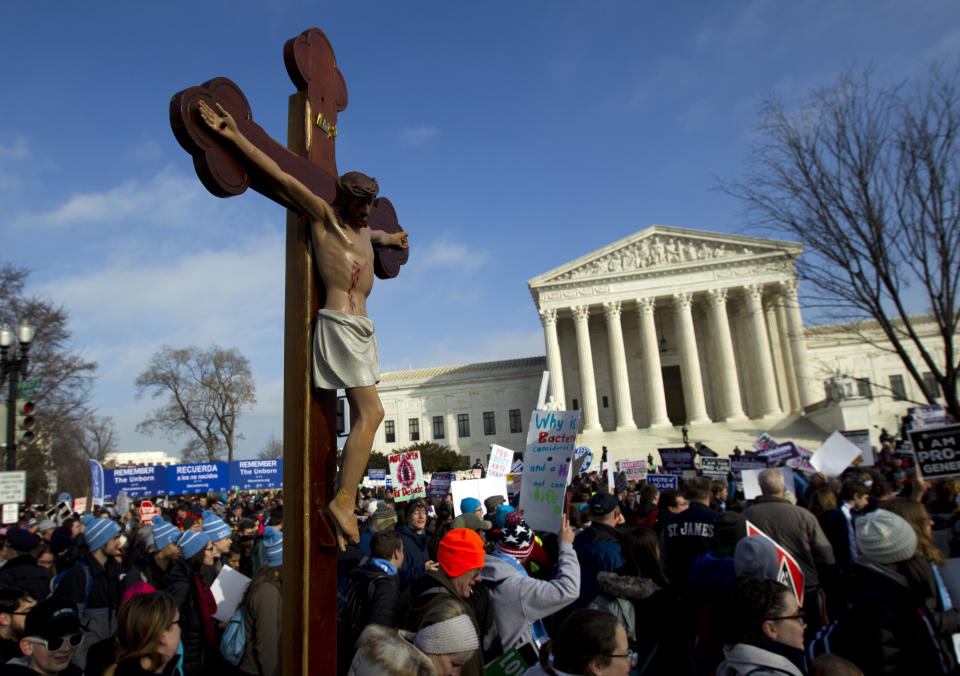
{"points": [[664, 482], [255, 475], [204, 477], [139, 482], [376, 474], [96, 482]]}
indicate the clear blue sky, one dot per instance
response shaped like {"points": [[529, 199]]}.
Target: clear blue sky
{"points": [[512, 137]]}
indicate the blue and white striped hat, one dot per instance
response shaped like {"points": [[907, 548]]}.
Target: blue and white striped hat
{"points": [[164, 532], [99, 533], [191, 542], [214, 526], [273, 546]]}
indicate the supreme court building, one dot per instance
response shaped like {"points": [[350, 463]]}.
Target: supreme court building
{"points": [[666, 328]]}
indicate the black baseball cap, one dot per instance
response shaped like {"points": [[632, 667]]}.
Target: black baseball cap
{"points": [[52, 619], [602, 504]]}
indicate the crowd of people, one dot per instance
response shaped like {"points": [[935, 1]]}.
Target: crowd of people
{"points": [[635, 581]]}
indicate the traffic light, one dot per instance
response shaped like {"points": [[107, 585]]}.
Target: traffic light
{"points": [[25, 421]]}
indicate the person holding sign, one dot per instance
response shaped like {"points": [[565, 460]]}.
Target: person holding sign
{"points": [[520, 602]]}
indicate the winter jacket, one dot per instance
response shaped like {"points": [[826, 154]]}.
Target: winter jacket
{"points": [[383, 591], [519, 600], [887, 629], [743, 659], [797, 531], [415, 554], [653, 619], [145, 569], [179, 583], [388, 652], [598, 550], [98, 608], [263, 618], [686, 536], [23, 572]]}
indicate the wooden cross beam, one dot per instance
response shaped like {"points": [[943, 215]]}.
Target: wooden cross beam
{"points": [[309, 429]]}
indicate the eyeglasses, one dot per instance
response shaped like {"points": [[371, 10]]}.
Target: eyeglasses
{"points": [[55, 644], [630, 656], [799, 616]]}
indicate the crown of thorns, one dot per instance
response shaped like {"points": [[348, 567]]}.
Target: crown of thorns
{"points": [[356, 184]]}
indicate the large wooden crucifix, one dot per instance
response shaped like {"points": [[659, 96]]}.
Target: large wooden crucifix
{"points": [[213, 122]]}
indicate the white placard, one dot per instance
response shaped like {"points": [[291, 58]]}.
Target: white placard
{"points": [[11, 512], [481, 489], [551, 438], [406, 476], [751, 481], [227, 591], [500, 460], [13, 486], [835, 455]]}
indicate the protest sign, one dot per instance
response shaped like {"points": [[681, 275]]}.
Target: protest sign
{"points": [[779, 453], [677, 459], [147, 511], [620, 481], [96, 482], [751, 481], [636, 470], [377, 475], [932, 415], [937, 450], [11, 512], [516, 467], [513, 483], [80, 505], [256, 475], [477, 473], [500, 460], [63, 510], [201, 477], [584, 457], [737, 465], [802, 461], [764, 442], [551, 438], [706, 452], [440, 484], [788, 570], [860, 439], [663, 482], [123, 502], [834, 456], [406, 475], [481, 489], [65, 497], [228, 591], [715, 467], [138, 482], [13, 486], [513, 662]]}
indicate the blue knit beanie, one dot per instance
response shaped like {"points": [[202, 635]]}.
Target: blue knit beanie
{"points": [[164, 532], [214, 526], [468, 505], [273, 546], [87, 520], [99, 533], [191, 542], [500, 515]]}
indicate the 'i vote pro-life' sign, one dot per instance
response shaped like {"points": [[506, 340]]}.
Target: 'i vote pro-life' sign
{"points": [[551, 438]]}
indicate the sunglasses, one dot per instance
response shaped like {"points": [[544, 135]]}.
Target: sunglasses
{"points": [[55, 644], [799, 616]]}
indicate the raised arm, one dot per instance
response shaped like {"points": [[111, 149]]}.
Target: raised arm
{"points": [[397, 239], [296, 193]]}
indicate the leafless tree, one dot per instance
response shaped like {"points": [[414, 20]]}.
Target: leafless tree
{"points": [[868, 177], [272, 449], [206, 391]]}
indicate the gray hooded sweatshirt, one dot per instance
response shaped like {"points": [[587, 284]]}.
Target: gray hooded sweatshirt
{"points": [[518, 601]]}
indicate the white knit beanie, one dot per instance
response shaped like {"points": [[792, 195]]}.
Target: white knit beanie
{"points": [[884, 537], [456, 635]]}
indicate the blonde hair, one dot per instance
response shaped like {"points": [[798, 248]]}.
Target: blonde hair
{"points": [[141, 622], [916, 515]]}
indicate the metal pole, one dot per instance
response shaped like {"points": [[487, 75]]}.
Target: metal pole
{"points": [[13, 373]]}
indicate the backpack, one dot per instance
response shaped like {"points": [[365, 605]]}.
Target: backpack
{"points": [[234, 641], [58, 578], [353, 609]]}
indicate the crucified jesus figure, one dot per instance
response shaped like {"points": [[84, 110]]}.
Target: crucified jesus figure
{"points": [[344, 348]]}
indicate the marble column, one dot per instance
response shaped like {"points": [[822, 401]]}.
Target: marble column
{"points": [[618, 367], [689, 360], [554, 365], [726, 372], [783, 331], [773, 338], [588, 386], [652, 375], [759, 351], [798, 342]]}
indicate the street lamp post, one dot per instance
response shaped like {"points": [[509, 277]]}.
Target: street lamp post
{"points": [[12, 369]]}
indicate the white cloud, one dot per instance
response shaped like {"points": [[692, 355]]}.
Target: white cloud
{"points": [[418, 136], [444, 253], [17, 149]]}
